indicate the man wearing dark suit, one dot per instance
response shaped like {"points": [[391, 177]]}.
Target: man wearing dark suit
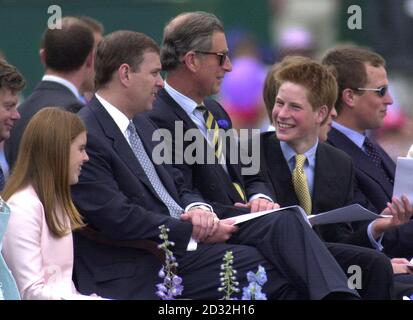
{"points": [[291, 91], [119, 195], [67, 54], [195, 63], [361, 105]]}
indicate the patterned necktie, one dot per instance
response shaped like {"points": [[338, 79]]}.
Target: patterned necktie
{"points": [[374, 155], [300, 183], [2, 179], [136, 143], [216, 141]]}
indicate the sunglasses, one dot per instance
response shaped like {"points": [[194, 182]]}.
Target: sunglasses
{"points": [[380, 91], [222, 56]]}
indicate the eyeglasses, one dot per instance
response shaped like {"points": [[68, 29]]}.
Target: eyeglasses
{"points": [[380, 91], [222, 56]]}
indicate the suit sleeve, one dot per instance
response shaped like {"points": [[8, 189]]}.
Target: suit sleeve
{"points": [[115, 211]]}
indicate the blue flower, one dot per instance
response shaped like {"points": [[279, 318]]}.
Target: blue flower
{"points": [[256, 280], [223, 124]]}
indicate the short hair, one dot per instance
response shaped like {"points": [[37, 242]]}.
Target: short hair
{"points": [[93, 24], [67, 48], [270, 84], [43, 162], [319, 81], [348, 62], [187, 31], [10, 78], [118, 48]]}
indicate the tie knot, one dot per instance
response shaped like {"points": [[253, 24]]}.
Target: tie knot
{"points": [[131, 127], [201, 108], [300, 160]]}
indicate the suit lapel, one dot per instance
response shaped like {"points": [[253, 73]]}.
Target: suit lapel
{"points": [[121, 146], [218, 171], [361, 160], [278, 171], [326, 181]]}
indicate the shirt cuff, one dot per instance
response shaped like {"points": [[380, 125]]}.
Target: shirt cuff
{"points": [[260, 195], [376, 244], [192, 245], [201, 205]]}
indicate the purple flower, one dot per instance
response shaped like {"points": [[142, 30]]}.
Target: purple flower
{"points": [[172, 284], [223, 124]]}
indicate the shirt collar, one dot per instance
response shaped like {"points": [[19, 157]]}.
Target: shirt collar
{"points": [[289, 153], [121, 120], [354, 136], [185, 102], [63, 82]]}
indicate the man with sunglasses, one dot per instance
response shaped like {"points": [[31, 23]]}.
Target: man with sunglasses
{"points": [[361, 106], [194, 55]]}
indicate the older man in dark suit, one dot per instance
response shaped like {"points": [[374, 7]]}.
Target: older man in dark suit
{"points": [[196, 63], [67, 54]]}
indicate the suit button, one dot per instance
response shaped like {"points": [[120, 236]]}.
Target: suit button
{"points": [[212, 187]]}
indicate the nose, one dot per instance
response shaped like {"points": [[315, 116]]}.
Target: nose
{"points": [[388, 99], [85, 157], [15, 114], [333, 113], [159, 81], [227, 64]]}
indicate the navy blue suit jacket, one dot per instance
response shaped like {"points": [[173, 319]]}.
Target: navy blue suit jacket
{"points": [[117, 200], [211, 180], [333, 186], [46, 94], [378, 190]]}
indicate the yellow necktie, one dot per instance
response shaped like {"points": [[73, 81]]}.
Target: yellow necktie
{"points": [[300, 183], [211, 124]]}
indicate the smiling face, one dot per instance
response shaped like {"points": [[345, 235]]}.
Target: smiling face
{"points": [[369, 108], [78, 157], [8, 112], [294, 119], [211, 73]]}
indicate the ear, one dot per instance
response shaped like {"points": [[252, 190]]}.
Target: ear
{"points": [[348, 96], [322, 114], [89, 59], [124, 74], [191, 61], [42, 55]]}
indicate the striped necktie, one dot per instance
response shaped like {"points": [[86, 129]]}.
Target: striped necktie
{"points": [[300, 183], [215, 140]]}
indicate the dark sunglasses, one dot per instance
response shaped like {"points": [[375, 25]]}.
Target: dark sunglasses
{"points": [[380, 91], [222, 56]]}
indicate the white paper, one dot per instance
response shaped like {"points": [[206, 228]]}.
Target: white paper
{"points": [[354, 212], [249, 216], [403, 181]]}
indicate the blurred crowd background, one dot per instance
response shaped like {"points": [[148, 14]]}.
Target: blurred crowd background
{"points": [[259, 33]]}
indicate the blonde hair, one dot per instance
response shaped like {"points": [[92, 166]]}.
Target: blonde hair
{"points": [[43, 161]]}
